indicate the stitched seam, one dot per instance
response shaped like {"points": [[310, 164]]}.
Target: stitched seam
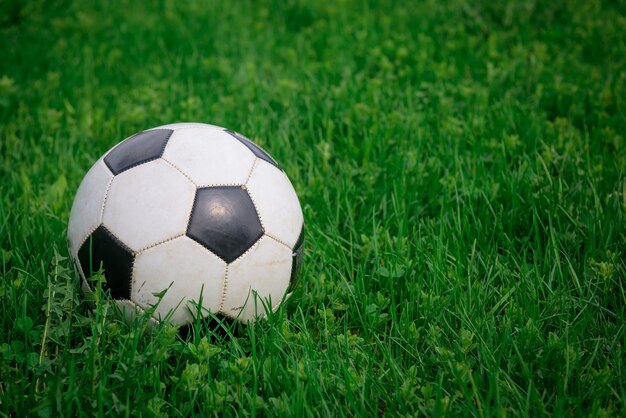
{"points": [[179, 170], [256, 208], [136, 165], [84, 240], [167, 140], [280, 242], [130, 250], [230, 316], [118, 241], [256, 160], [253, 146], [205, 247], [129, 137], [147, 247], [106, 195], [254, 244], [104, 201], [224, 289], [204, 186], [193, 206], [132, 279], [194, 239]]}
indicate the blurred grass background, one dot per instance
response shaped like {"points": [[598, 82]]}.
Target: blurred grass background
{"points": [[461, 169]]}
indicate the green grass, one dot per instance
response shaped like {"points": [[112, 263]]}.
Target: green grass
{"points": [[462, 170]]}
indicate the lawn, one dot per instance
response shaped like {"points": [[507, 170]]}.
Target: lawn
{"points": [[462, 172]]}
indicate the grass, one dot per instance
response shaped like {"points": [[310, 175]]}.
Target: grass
{"points": [[461, 167]]}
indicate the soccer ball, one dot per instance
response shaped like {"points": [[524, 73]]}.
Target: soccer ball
{"points": [[188, 218]]}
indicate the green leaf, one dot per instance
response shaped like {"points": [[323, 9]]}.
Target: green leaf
{"points": [[24, 324]]}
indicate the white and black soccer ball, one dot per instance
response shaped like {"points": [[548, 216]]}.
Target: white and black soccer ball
{"points": [[194, 210]]}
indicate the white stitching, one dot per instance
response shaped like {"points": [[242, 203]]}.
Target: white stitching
{"points": [[84, 240], [147, 247], [225, 285], [205, 247], [256, 208], [256, 159], [279, 241], [137, 164], [248, 250], [179, 170], [101, 216], [247, 189], [132, 276], [193, 206], [204, 186], [224, 289], [104, 201]]}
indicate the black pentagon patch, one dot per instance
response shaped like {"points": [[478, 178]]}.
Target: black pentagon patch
{"points": [[138, 149], [102, 248], [296, 263], [225, 221], [256, 150]]}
